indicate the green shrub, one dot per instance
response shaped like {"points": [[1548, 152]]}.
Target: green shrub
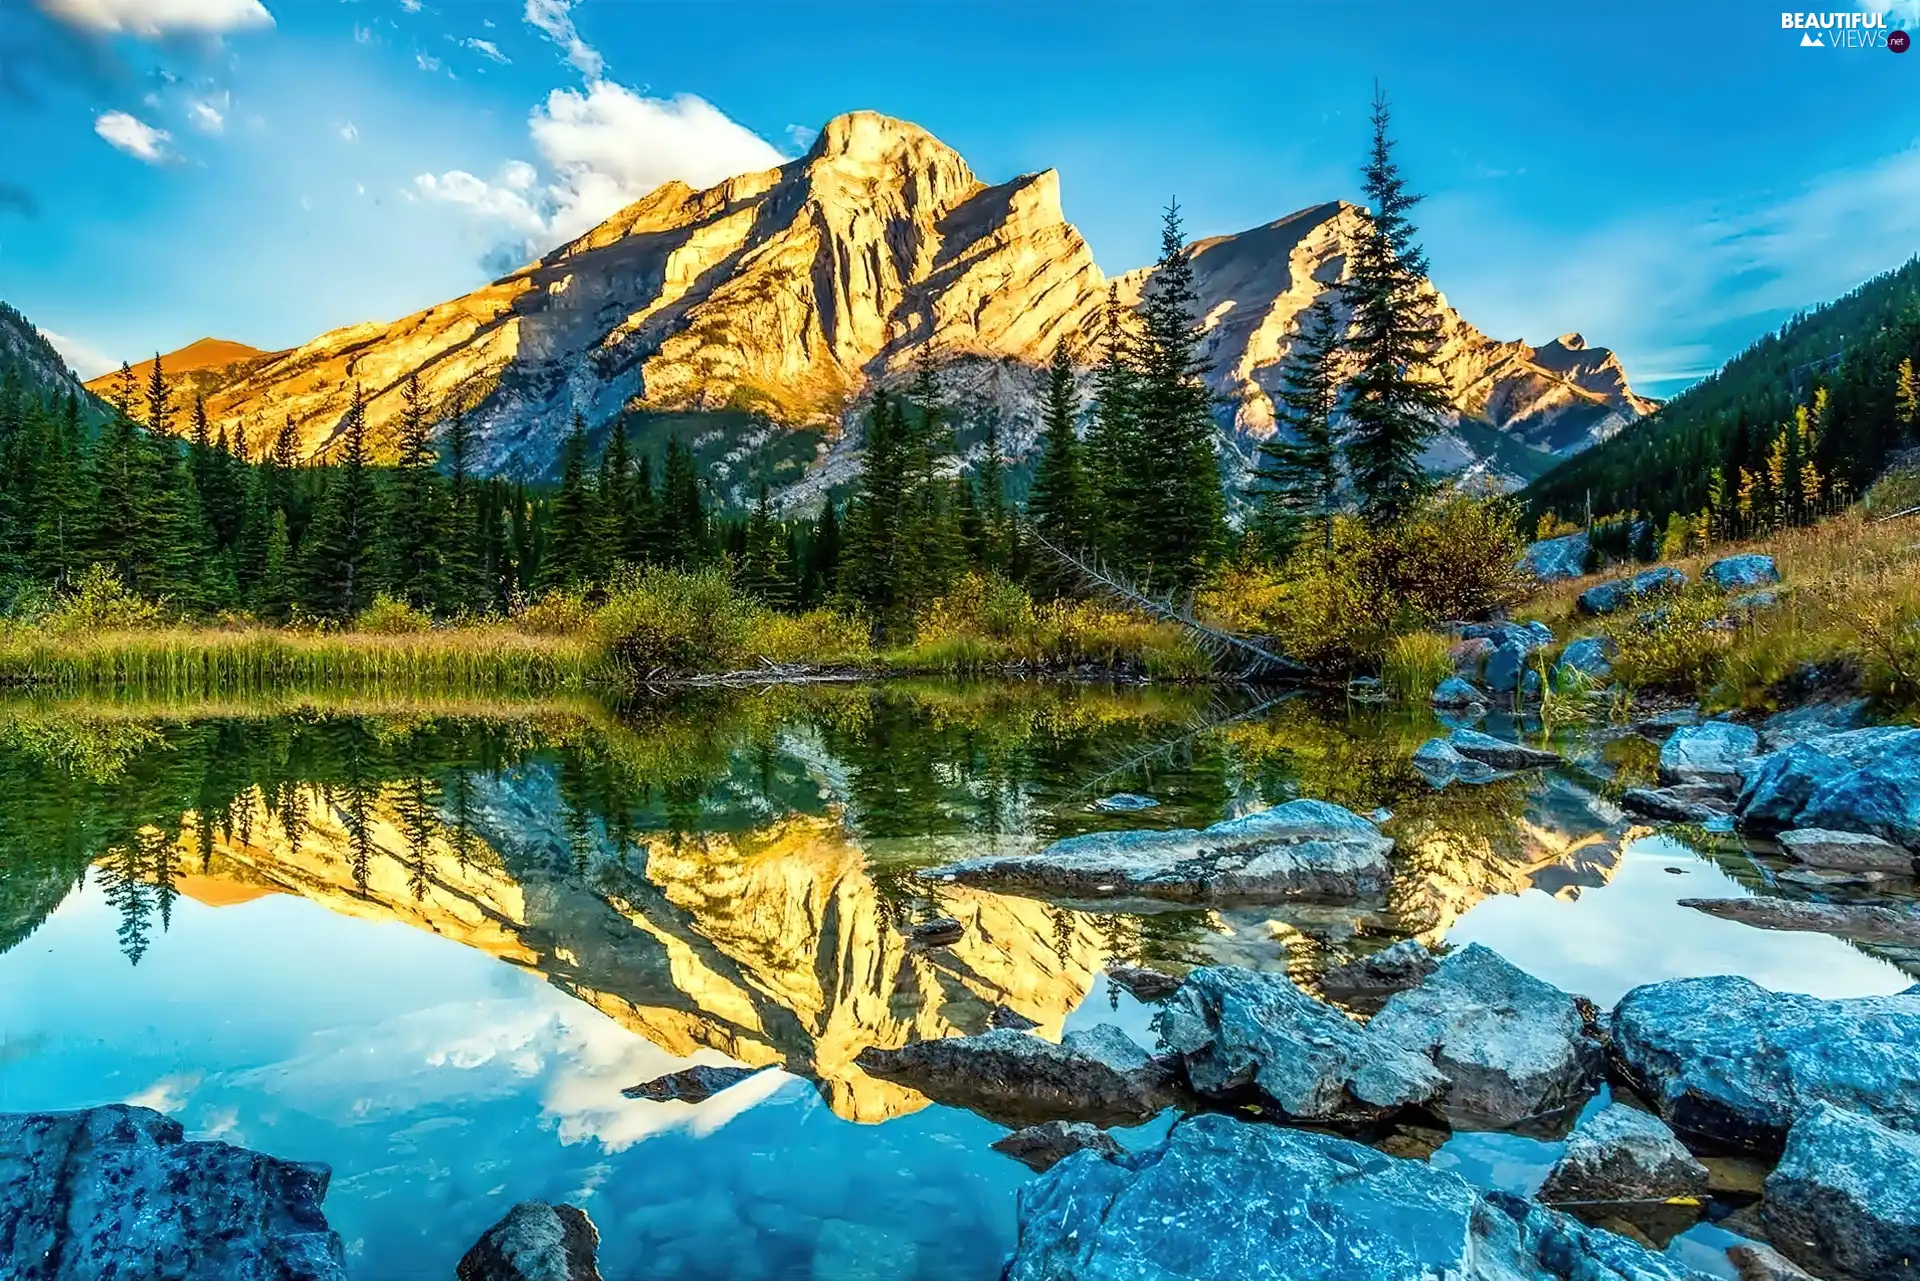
{"points": [[1680, 644], [390, 617], [99, 602], [556, 614], [1415, 664], [672, 620]]}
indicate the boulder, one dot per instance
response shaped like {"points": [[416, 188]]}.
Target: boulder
{"points": [[941, 931], [1505, 667], [1623, 1154], [1010, 1020], [1300, 850], [1693, 803], [1860, 922], [1250, 1037], [1511, 1046], [1469, 655], [1041, 1147], [694, 1084], [1864, 780], [1498, 752], [1125, 803], [1437, 763], [1018, 1079], [535, 1242], [1555, 560], [1366, 981], [1611, 597], [1143, 983], [1812, 720], [1662, 727], [1747, 604], [1845, 851], [1714, 753], [1588, 660], [1733, 573], [1224, 1200], [1755, 1262], [1726, 1059], [1845, 1198], [118, 1191], [1456, 693]]}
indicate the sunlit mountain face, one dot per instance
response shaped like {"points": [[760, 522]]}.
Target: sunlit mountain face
{"points": [[431, 944]]}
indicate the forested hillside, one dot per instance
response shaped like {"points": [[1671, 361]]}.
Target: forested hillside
{"points": [[1861, 350]]}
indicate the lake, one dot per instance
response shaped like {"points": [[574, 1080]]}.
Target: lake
{"points": [[430, 944]]}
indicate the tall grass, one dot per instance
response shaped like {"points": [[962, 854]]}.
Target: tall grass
{"points": [[1415, 665]]}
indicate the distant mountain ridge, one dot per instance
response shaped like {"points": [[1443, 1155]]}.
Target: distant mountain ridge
{"points": [[758, 312], [27, 357]]}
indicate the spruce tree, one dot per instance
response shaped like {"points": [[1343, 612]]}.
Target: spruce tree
{"points": [[1059, 501], [618, 515], [1297, 478], [467, 586], [993, 499], [1182, 524], [416, 528], [340, 549], [1393, 403], [682, 513], [1118, 488], [821, 573], [872, 567], [930, 515], [63, 504], [273, 592], [575, 535], [764, 568]]}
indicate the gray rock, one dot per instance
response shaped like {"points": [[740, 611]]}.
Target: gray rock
{"points": [[1524, 636], [1019, 1079], [1125, 802], [1812, 720], [1366, 981], [694, 1084], [1010, 1020], [1623, 1154], [941, 931], [1714, 753], [1249, 1037], [1588, 660], [1437, 763], [535, 1242], [1748, 603], [1531, 686], [1143, 983], [1694, 803], [1864, 780], [118, 1192], [1510, 1046], [1861, 922], [1845, 1198], [1230, 1200], [1610, 597], [1555, 560], [1300, 850], [1755, 1262], [1660, 728], [1505, 667], [1726, 1059], [1454, 692], [1041, 1147], [1846, 851], [1498, 752], [1751, 570]]}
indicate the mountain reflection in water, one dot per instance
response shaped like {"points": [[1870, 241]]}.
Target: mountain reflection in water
{"points": [[313, 902]]}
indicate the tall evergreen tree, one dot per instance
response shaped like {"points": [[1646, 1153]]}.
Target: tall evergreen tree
{"points": [[1297, 479], [575, 535], [618, 514], [417, 525], [340, 549], [1393, 403], [820, 575], [1184, 530], [683, 529], [467, 586], [1115, 456], [1059, 503], [873, 569], [764, 568]]}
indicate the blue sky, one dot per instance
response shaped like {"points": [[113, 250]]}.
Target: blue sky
{"points": [[1668, 180]]}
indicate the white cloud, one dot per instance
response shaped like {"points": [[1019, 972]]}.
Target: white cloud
{"points": [[155, 18], [208, 116], [604, 148], [362, 35], [487, 48], [426, 62], [138, 139], [82, 357], [348, 132], [411, 6], [554, 19]]}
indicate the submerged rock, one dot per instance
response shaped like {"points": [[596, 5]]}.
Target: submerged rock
{"points": [[1010, 1020], [117, 1191], [1041, 1147], [1366, 981], [1714, 753], [1018, 1079], [1845, 1198], [1144, 984], [1755, 1262], [1498, 752], [1554, 560], [1623, 1154], [1608, 598], [1510, 1045], [1441, 766], [535, 1242], [1864, 780], [1229, 1200], [1861, 922], [1726, 1059], [1125, 802], [694, 1084], [1846, 851], [1751, 570], [941, 931], [1251, 1037], [1456, 693], [1303, 849], [1693, 803]]}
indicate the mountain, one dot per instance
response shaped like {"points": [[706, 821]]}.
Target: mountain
{"points": [[27, 358], [202, 367], [752, 316], [1853, 347]]}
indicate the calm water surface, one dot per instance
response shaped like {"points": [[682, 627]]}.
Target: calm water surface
{"points": [[429, 945]]}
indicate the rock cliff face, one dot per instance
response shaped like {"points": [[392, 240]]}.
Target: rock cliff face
{"points": [[791, 292]]}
